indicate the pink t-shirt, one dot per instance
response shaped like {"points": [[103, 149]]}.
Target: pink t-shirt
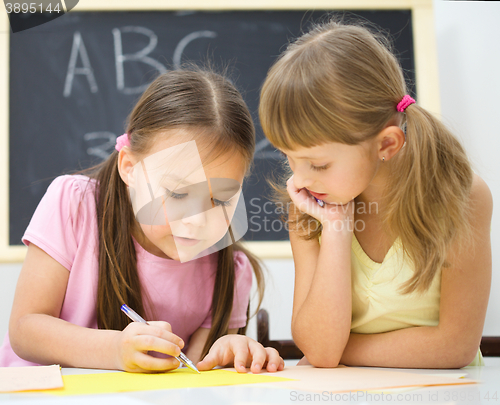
{"points": [[64, 225]]}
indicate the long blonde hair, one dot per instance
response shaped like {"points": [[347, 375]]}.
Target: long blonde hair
{"points": [[341, 83]]}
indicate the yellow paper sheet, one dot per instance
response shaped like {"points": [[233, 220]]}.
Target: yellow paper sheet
{"points": [[82, 384], [30, 378], [344, 379]]}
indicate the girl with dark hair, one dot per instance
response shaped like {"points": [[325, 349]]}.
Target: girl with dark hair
{"points": [[94, 244]]}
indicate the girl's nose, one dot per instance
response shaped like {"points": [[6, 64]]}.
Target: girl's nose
{"points": [[198, 220], [301, 181]]}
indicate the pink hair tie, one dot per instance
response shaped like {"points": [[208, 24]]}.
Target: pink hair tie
{"points": [[404, 103], [122, 141]]}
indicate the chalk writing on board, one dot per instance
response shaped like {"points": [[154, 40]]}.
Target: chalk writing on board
{"points": [[78, 57], [141, 56], [78, 49], [104, 149], [263, 150], [185, 41]]}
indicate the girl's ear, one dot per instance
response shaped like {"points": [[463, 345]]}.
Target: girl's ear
{"points": [[126, 162], [390, 140]]}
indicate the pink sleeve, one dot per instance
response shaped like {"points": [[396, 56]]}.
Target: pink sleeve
{"points": [[242, 285], [52, 227]]}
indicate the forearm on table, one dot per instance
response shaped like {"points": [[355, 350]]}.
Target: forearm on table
{"points": [[415, 347], [45, 339], [321, 325]]}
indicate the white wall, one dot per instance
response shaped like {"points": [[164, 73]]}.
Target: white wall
{"points": [[8, 276], [468, 39]]}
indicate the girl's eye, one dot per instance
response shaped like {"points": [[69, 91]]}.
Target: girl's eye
{"points": [[319, 168], [175, 195], [221, 203]]}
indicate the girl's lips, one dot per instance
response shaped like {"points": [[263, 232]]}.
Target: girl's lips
{"points": [[186, 241], [318, 196]]}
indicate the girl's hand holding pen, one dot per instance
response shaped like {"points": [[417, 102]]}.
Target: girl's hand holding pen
{"points": [[243, 352], [330, 215], [133, 343]]}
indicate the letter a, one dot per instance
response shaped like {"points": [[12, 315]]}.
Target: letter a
{"points": [[78, 48]]}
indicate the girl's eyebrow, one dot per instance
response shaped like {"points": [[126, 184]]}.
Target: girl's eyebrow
{"points": [[311, 158], [179, 181], [226, 188], [303, 157]]}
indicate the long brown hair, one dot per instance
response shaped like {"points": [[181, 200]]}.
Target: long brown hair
{"points": [[191, 98], [341, 83]]}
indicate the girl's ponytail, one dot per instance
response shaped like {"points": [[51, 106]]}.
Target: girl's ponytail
{"points": [[427, 199]]}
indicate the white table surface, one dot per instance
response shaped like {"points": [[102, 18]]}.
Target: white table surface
{"points": [[487, 392]]}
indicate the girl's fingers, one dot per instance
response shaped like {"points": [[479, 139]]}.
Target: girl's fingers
{"points": [[302, 200], [149, 363], [274, 360], [211, 360], [216, 357], [259, 356], [162, 325], [240, 349], [299, 198], [145, 343], [160, 332]]}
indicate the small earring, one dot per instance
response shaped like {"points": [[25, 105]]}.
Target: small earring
{"points": [[383, 158]]}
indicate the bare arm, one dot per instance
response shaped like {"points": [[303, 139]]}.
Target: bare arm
{"points": [[465, 287], [38, 335], [322, 307]]}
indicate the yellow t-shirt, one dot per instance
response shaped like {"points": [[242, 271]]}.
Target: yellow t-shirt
{"points": [[377, 304]]}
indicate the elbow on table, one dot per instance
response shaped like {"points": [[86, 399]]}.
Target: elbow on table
{"points": [[323, 361], [17, 337], [321, 351], [459, 353], [320, 356], [14, 337], [463, 356]]}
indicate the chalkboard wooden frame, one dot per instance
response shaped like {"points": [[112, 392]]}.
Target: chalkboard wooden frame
{"points": [[426, 73]]}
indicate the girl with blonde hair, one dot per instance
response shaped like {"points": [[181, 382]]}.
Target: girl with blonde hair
{"points": [[389, 226]]}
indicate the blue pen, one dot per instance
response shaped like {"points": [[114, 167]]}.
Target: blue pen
{"points": [[321, 203], [137, 318]]}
